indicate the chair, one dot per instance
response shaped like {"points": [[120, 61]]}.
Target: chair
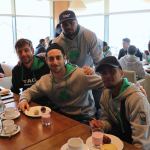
{"points": [[7, 69], [130, 75], [6, 82], [146, 85]]}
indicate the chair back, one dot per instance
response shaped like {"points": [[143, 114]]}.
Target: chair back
{"points": [[146, 85], [6, 82], [130, 75]]}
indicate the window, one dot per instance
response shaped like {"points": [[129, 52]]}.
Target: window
{"points": [[33, 28], [134, 26], [6, 37], [5, 6], [94, 23], [128, 5], [33, 7], [32, 21]]}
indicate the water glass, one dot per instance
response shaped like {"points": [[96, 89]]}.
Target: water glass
{"points": [[97, 137], [46, 118]]}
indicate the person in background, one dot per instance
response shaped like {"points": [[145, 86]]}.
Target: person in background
{"points": [[132, 62], [147, 54], [123, 51], [125, 110], [80, 44], [47, 42], [29, 69], [41, 47], [106, 50], [58, 30], [67, 86]]}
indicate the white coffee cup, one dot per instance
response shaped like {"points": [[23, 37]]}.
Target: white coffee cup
{"points": [[75, 144], [9, 126], [9, 112]]}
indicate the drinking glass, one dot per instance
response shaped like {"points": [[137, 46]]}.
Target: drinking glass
{"points": [[97, 137], [46, 118]]}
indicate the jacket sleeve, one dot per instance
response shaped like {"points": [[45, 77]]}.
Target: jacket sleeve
{"points": [[120, 54], [104, 111], [15, 83], [94, 48], [138, 112], [35, 91], [93, 81]]}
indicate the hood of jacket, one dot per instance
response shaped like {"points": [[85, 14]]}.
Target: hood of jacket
{"points": [[127, 89], [37, 63], [70, 68], [130, 59]]}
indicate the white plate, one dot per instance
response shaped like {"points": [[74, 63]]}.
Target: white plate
{"points": [[31, 111], [114, 140], [15, 115], [10, 134], [64, 147]]}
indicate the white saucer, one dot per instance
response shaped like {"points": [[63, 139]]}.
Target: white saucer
{"points": [[10, 134], [15, 115], [31, 111], [64, 147], [114, 140]]}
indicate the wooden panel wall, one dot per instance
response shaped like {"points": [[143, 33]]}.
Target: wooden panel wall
{"points": [[59, 6]]}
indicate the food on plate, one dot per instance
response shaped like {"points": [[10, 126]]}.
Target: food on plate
{"points": [[36, 112], [108, 147], [4, 91], [106, 139], [43, 109]]}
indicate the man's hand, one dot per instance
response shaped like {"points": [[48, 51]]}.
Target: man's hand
{"points": [[143, 90], [88, 70], [23, 105], [2, 75], [96, 124]]}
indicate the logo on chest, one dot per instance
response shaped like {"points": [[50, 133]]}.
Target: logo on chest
{"points": [[28, 82]]}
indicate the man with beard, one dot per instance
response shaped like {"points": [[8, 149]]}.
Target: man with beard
{"points": [[29, 69], [80, 44], [67, 87], [125, 110]]}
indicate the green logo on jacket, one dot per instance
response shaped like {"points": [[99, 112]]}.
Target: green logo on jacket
{"points": [[64, 95], [73, 55]]}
